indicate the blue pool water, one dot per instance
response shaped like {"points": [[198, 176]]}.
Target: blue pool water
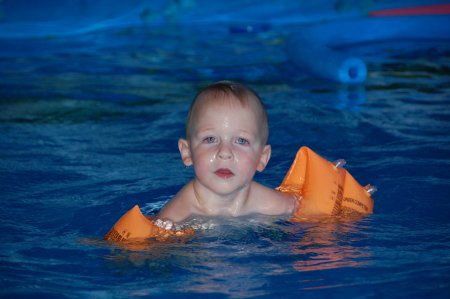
{"points": [[89, 125]]}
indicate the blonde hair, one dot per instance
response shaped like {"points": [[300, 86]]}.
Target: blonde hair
{"points": [[230, 90]]}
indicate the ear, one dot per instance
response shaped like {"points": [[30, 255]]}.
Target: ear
{"points": [[264, 158], [185, 151]]}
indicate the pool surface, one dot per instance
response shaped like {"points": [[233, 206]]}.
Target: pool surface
{"points": [[89, 126]]}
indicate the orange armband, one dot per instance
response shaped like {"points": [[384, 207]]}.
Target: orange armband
{"points": [[325, 188], [134, 225]]}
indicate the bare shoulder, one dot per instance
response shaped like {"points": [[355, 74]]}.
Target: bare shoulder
{"points": [[179, 207], [268, 201]]}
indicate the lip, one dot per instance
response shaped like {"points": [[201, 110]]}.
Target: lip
{"points": [[224, 173]]}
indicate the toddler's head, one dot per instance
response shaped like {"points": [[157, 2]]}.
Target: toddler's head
{"points": [[229, 93]]}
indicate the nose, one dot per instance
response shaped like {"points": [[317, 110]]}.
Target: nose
{"points": [[225, 151]]}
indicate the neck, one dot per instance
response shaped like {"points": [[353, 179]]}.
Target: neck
{"points": [[215, 204]]}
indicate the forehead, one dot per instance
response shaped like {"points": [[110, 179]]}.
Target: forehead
{"points": [[228, 108], [231, 109], [230, 101]]}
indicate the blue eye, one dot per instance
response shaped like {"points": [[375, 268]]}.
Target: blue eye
{"points": [[242, 141], [209, 140]]}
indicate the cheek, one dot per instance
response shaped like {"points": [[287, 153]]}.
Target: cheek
{"points": [[247, 160], [202, 157]]}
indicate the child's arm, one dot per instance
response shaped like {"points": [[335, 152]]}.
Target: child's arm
{"points": [[268, 201]]}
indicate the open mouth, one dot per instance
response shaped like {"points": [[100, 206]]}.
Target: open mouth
{"points": [[224, 173]]}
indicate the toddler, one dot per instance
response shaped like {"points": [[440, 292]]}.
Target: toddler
{"points": [[226, 136]]}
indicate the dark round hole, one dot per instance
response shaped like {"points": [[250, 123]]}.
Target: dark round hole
{"points": [[353, 72]]}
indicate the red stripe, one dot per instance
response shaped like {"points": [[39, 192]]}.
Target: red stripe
{"points": [[437, 9]]}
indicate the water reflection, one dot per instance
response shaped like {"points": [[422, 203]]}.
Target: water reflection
{"points": [[243, 261], [329, 246]]}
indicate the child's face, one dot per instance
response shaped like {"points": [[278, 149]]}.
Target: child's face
{"points": [[226, 146]]}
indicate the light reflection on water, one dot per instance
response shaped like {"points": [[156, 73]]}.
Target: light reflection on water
{"points": [[241, 258]]}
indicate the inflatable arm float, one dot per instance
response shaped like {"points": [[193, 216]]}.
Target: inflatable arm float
{"points": [[324, 189], [134, 225]]}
